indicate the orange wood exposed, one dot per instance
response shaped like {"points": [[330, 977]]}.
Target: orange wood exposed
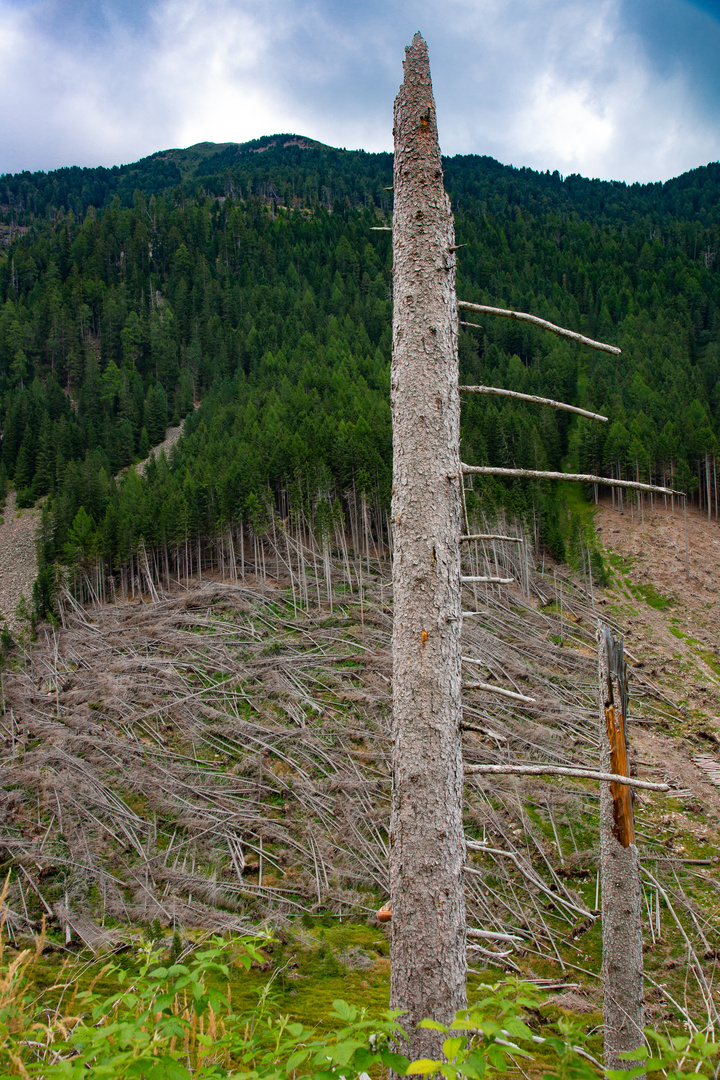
{"points": [[623, 816]]}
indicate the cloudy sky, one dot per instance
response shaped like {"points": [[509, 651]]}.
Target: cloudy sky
{"points": [[620, 89]]}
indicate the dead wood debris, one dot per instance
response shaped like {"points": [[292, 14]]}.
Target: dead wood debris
{"points": [[218, 757]]}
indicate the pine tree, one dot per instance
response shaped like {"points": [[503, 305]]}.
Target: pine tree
{"points": [[25, 465], [45, 463], [144, 444], [155, 414]]}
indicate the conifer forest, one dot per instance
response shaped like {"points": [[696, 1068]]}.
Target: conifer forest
{"points": [[246, 289]]}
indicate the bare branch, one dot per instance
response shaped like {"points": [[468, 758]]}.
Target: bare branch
{"points": [[497, 391], [497, 690], [528, 873], [464, 305], [582, 478], [561, 770], [488, 580], [493, 536], [490, 935]]}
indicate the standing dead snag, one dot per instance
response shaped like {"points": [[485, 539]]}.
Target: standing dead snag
{"points": [[427, 846], [622, 970]]}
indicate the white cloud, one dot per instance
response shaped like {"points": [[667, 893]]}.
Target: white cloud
{"points": [[66, 103], [566, 85], [209, 72], [560, 84], [565, 122]]}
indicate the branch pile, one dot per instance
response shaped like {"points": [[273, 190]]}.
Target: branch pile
{"points": [[219, 757]]}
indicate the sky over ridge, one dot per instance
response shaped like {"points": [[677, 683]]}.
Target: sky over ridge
{"points": [[619, 89]]}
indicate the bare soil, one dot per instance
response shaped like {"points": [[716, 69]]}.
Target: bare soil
{"points": [[674, 629], [171, 438], [18, 560], [670, 611], [671, 617]]}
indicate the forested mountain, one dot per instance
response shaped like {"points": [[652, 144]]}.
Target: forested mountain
{"points": [[248, 279]]}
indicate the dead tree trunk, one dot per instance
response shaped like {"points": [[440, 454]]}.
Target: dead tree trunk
{"points": [[427, 846], [622, 967]]}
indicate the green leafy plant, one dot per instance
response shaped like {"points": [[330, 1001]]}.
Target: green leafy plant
{"points": [[485, 1039], [675, 1056], [482, 1040], [176, 1022]]}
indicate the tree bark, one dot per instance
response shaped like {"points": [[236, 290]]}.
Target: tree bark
{"points": [[622, 966], [427, 846]]}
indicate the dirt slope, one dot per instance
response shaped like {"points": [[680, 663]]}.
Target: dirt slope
{"points": [[18, 562], [172, 436], [672, 618]]}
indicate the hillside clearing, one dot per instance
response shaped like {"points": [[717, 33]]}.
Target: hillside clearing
{"points": [[218, 759]]}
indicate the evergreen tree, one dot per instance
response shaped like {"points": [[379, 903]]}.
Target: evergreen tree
{"points": [[155, 414], [25, 464]]}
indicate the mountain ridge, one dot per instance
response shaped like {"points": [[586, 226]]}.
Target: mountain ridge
{"points": [[693, 193]]}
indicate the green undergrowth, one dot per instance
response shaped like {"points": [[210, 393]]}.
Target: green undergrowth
{"points": [[621, 578], [577, 525], [301, 970], [218, 1008], [311, 962], [651, 596], [681, 635], [711, 659]]}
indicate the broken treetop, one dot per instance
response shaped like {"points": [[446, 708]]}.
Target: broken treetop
{"points": [[414, 117]]}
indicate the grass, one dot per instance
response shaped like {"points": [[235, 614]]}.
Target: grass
{"points": [[578, 528], [644, 591], [711, 659], [651, 596], [316, 960], [309, 968], [312, 966]]}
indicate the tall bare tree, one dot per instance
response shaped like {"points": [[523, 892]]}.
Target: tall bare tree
{"points": [[427, 846], [622, 967]]}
